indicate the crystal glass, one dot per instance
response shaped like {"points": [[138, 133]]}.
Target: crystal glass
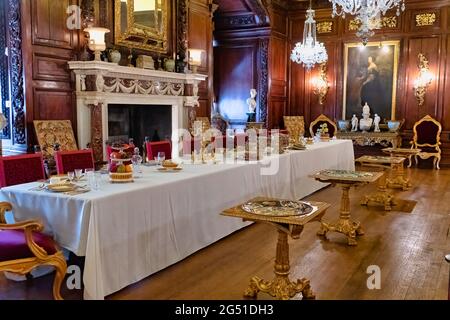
{"points": [[161, 157], [71, 175], [78, 173], [90, 178], [97, 181]]}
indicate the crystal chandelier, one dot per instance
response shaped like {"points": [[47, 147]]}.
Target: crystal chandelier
{"points": [[368, 13], [310, 51]]}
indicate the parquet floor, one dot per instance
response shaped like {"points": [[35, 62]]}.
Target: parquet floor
{"points": [[409, 248]]}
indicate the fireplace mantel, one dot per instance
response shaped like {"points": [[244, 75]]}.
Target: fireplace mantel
{"points": [[100, 83]]}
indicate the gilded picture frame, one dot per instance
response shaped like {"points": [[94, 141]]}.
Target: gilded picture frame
{"points": [[130, 33], [370, 77]]}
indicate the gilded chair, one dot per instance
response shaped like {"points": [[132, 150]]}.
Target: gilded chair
{"points": [[70, 160], [160, 146], [24, 247], [427, 136], [332, 128], [21, 169], [295, 125]]}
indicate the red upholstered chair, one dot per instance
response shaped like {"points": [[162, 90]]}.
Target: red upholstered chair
{"points": [[21, 169], [161, 146], [23, 247], [427, 138], [70, 160]]}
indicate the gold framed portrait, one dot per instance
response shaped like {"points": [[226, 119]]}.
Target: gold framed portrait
{"points": [[370, 76]]}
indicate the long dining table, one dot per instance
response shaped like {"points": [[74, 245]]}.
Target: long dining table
{"points": [[127, 232]]}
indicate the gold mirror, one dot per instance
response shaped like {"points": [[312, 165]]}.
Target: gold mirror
{"points": [[142, 24]]}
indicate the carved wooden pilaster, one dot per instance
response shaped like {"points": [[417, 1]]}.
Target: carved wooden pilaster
{"points": [[263, 79], [182, 33], [16, 63], [4, 78], [97, 132]]}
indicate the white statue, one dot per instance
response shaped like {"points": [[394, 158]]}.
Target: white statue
{"points": [[376, 121], [354, 123], [251, 102], [366, 122]]}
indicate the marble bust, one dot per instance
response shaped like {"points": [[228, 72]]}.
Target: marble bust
{"points": [[251, 102], [366, 122]]}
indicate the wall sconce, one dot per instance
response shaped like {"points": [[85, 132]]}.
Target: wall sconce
{"points": [[320, 83], [195, 59], [423, 80], [97, 40]]}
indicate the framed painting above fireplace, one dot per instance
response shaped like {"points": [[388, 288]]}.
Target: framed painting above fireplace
{"points": [[370, 76]]}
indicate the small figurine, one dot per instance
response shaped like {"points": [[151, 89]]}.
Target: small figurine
{"points": [[366, 122], [377, 120], [354, 123]]}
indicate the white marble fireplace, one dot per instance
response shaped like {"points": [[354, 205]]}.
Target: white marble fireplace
{"points": [[99, 84]]}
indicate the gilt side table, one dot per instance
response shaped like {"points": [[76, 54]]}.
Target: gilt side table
{"points": [[281, 287], [345, 179], [399, 179], [387, 164]]}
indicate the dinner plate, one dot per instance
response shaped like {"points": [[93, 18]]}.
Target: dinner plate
{"points": [[61, 187], [170, 169]]}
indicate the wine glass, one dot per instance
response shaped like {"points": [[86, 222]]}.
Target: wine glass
{"points": [[78, 174], [71, 176], [161, 157]]}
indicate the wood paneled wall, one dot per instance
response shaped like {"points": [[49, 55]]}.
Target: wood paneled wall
{"points": [[251, 52], [432, 40], [47, 46]]}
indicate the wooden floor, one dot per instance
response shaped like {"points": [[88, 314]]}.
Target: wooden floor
{"points": [[409, 248]]}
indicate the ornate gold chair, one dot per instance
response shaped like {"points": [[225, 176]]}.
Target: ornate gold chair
{"points": [[23, 247], [332, 128], [295, 125], [427, 136]]}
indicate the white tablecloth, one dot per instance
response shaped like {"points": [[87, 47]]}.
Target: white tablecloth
{"points": [[130, 231]]}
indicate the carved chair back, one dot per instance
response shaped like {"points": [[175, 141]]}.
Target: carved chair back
{"points": [[332, 128]]}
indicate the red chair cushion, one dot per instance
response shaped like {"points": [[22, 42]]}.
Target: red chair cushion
{"points": [[70, 160], [21, 169], [427, 132], [161, 146], [13, 245]]}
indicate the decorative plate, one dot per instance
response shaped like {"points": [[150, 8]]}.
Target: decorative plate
{"points": [[278, 208], [163, 169], [61, 187]]}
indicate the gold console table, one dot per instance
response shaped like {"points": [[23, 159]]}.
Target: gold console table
{"points": [[387, 164], [345, 179], [281, 287], [363, 139]]}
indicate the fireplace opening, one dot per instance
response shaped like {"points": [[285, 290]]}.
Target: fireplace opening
{"points": [[138, 122]]}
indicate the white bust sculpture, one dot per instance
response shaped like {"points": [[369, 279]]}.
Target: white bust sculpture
{"points": [[251, 102], [366, 122], [354, 123], [376, 121]]}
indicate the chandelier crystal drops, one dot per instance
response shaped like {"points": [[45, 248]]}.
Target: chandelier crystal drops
{"points": [[310, 51], [367, 12]]}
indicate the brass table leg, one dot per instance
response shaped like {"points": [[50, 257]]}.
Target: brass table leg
{"points": [[399, 180], [344, 225], [280, 287], [381, 197]]}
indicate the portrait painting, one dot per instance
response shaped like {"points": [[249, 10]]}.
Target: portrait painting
{"points": [[370, 76]]}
